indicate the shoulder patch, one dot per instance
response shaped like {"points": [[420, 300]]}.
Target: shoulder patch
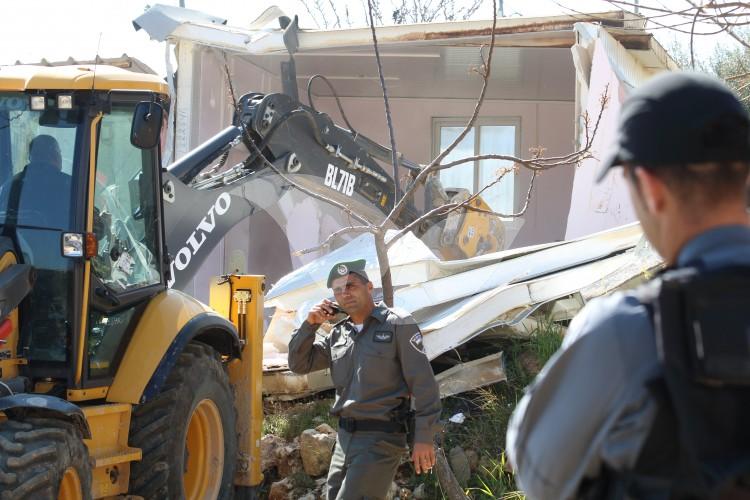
{"points": [[383, 336], [416, 342]]}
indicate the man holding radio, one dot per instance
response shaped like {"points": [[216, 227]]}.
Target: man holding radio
{"points": [[380, 371]]}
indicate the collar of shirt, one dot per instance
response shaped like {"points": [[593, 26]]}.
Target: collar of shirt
{"points": [[379, 313], [721, 246]]}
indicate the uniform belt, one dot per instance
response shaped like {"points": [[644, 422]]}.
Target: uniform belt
{"points": [[364, 425]]}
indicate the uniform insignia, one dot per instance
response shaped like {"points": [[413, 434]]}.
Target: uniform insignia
{"points": [[416, 342], [342, 269], [383, 337]]}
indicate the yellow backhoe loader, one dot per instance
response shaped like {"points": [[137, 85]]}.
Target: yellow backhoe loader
{"points": [[111, 384]]}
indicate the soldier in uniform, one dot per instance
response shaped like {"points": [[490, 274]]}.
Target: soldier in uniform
{"points": [[380, 370], [647, 397]]}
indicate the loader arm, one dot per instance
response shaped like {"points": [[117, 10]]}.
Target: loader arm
{"points": [[289, 144]]}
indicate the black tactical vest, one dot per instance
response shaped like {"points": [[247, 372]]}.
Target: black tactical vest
{"points": [[699, 444]]}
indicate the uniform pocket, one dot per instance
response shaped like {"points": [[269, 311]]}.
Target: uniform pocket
{"points": [[342, 364]]}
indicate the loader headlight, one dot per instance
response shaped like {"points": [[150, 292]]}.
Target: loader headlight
{"points": [[38, 102], [72, 244], [64, 101]]}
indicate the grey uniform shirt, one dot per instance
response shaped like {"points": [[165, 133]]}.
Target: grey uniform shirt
{"points": [[372, 370], [589, 405]]}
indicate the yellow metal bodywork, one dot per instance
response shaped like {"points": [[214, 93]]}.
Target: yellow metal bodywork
{"points": [[240, 299], [9, 365], [479, 233], [82, 77], [108, 448], [77, 395], [162, 320], [87, 263]]}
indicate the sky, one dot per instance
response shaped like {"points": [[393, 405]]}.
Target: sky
{"points": [[57, 29]]}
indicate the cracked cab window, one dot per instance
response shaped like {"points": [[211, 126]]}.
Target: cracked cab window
{"points": [[124, 207]]}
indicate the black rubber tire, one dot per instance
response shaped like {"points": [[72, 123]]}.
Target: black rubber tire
{"points": [[34, 454], [158, 427]]}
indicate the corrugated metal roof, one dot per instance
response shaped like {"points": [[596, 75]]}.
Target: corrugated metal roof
{"points": [[162, 22]]}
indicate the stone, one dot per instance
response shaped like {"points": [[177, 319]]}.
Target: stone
{"points": [[316, 449], [326, 429], [289, 459], [460, 465], [392, 492], [530, 363], [419, 492], [280, 490], [473, 458], [269, 445]]}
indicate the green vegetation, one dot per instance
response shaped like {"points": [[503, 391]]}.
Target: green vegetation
{"points": [[288, 420], [488, 411]]}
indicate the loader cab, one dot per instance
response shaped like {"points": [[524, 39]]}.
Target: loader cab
{"points": [[80, 202]]}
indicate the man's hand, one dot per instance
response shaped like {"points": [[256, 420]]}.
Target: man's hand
{"points": [[423, 457], [321, 312]]}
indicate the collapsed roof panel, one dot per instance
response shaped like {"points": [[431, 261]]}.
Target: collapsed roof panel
{"points": [[481, 299]]}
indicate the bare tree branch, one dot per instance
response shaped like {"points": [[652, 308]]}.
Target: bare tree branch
{"points": [[332, 237], [422, 176], [389, 121]]}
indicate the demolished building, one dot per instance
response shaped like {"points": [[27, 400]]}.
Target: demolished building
{"points": [[571, 245]]}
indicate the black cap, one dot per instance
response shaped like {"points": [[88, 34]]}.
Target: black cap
{"points": [[679, 118], [345, 268]]}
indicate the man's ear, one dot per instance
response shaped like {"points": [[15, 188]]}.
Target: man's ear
{"points": [[652, 189], [370, 286]]}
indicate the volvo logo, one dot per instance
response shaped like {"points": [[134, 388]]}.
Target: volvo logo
{"points": [[198, 237]]}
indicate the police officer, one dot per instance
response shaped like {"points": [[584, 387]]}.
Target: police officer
{"points": [[378, 367], [684, 148]]}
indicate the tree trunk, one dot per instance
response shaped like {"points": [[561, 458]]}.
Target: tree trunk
{"points": [[385, 268]]}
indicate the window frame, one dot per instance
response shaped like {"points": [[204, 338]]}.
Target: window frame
{"points": [[457, 121]]}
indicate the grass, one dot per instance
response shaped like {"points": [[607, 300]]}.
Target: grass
{"points": [[488, 411], [288, 420]]}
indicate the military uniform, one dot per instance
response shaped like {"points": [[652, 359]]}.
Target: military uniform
{"points": [[590, 408], [374, 371], [586, 425]]}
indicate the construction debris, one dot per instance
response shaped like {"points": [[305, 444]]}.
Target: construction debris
{"points": [[499, 295]]}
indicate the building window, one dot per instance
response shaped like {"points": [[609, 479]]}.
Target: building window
{"points": [[488, 136]]}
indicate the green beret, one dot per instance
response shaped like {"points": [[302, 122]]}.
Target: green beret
{"points": [[345, 268]]}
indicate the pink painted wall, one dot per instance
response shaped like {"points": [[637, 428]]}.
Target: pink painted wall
{"points": [[603, 205]]}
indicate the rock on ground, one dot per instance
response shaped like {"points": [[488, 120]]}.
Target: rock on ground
{"points": [[460, 465], [419, 492], [289, 460], [316, 449], [473, 459], [392, 492], [269, 446], [280, 490]]}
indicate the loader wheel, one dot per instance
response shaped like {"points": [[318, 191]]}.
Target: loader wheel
{"points": [[187, 432], [43, 458]]}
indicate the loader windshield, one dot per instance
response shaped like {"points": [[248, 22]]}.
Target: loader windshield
{"points": [[37, 150]]}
